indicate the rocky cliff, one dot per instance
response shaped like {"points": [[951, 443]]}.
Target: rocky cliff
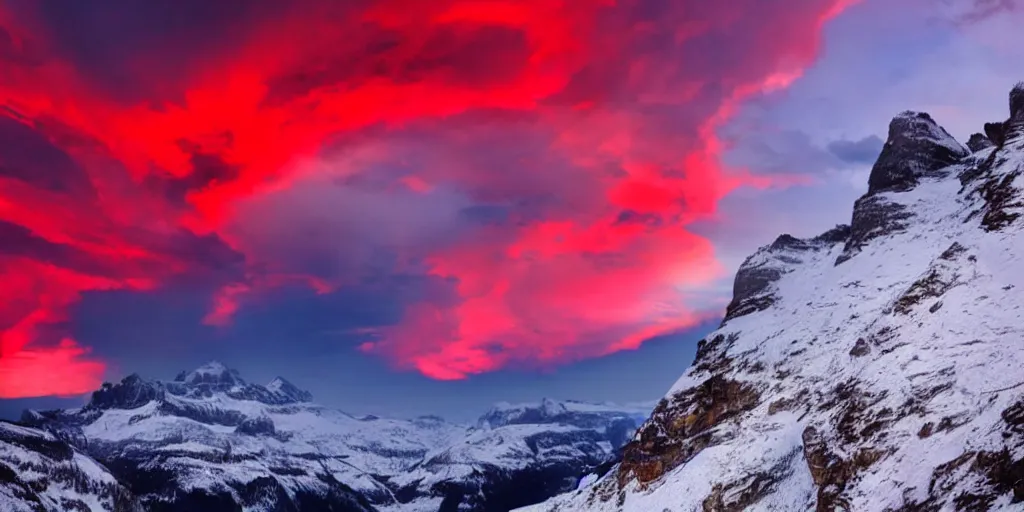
{"points": [[878, 367]]}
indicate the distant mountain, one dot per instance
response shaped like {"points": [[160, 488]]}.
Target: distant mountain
{"points": [[878, 367], [210, 441]]}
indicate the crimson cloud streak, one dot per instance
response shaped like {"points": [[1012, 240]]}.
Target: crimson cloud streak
{"points": [[539, 160]]}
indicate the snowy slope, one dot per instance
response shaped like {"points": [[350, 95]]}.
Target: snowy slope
{"points": [[877, 367], [209, 440], [519, 454], [39, 472]]}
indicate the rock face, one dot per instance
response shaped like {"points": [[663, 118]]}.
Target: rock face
{"points": [[877, 373], [752, 288], [210, 441], [916, 148], [978, 142]]}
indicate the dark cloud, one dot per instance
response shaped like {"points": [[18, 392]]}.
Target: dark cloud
{"points": [[145, 50], [470, 55], [632, 217], [862, 152], [464, 55], [17, 240], [768, 151], [29, 156]]}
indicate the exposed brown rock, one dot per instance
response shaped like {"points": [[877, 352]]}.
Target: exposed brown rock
{"points": [[830, 473], [683, 426], [1000, 195], [938, 280], [926, 430], [787, 404]]}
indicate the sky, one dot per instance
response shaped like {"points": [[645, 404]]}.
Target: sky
{"points": [[413, 207]]}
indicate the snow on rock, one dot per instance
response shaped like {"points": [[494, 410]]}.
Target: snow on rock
{"points": [[917, 147], [282, 387], [883, 372]]}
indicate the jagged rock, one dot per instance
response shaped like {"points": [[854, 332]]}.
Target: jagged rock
{"points": [[1001, 203], [861, 348], [752, 285], [743, 493], [873, 217], [682, 426], [978, 142], [288, 390], [261, 426], [132, 392], [917, 147], [1017, 102], [996, 133]]}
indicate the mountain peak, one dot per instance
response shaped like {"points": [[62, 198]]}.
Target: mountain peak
{"points": [[213, 372], [916, 147], [504, 413], [282, 387]]}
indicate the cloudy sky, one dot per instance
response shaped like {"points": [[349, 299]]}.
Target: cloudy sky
{"points": [[413, 206]]}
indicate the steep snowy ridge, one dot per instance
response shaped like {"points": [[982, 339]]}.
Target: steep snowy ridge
{"points": [[40, 472], [210, 441], [875, 368]]}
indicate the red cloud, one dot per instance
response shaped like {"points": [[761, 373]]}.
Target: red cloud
{"points": [[614, 106]]}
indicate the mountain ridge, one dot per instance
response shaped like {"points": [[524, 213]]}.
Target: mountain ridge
{"points": [[209, 440], [879, 370]]}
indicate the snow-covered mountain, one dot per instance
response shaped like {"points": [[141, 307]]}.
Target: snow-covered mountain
{"points": [[41, 472], [878, 367], [210, 441]]}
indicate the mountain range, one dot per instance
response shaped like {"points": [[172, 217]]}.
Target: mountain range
{"points": [[210, 441]]}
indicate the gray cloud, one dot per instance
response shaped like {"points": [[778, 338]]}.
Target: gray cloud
{"points": [[863, 151]]}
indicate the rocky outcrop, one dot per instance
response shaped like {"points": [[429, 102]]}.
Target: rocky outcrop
{"points": [[996, 133], [132, 392], [1017, 102], [752, 287], [978, 142], [917, 147], [290, 392], [259, 426], [873, 217], [683, 425]]}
